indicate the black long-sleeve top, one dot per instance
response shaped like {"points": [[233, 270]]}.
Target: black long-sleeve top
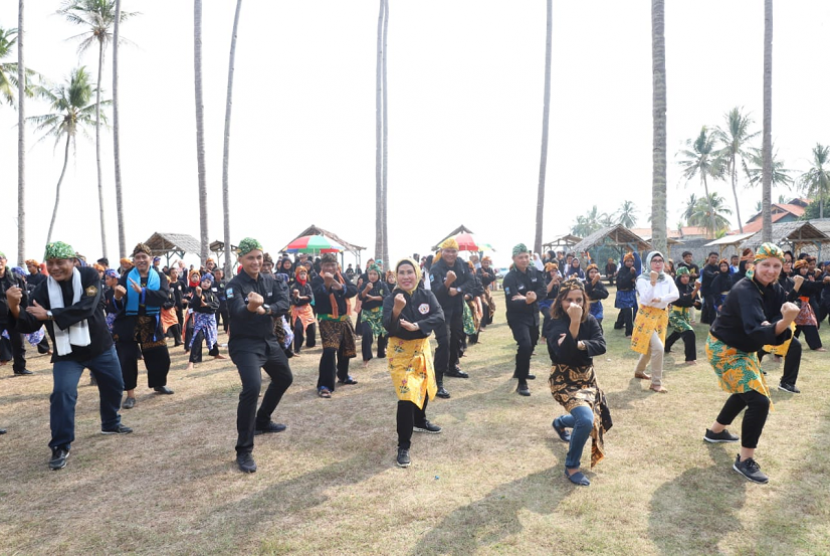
{"points": [[303, 290], [124, 325], [595, 292], [554, 291], [379, 289], [437, 277], [34, 280], [88, 308], [178, 290], [687, 292], [322, 299], [486, 275], [252, 332], [694, 270], [521, 283], [590, 334], [9, 280], [476, 286], [721, 283], [207, 303], [707, 278], [746, 307], [626, 280], [422, 307]]}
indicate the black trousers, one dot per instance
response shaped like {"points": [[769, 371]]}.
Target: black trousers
{"points": [[248, 418], [526, 335], [449, 339], [196, 348], [709, 311], [810, 334], [175, 332], [486, 317], [311, 341], [757, 409], [156, 361], [625, 319], [223, 315], [688, 338], [333, 363], [366, 344], [15, 349], [43, 346], [408, 416], [792, 362]]}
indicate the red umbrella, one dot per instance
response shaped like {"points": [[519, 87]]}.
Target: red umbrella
{"points": [[314, 244], [468, 242]]}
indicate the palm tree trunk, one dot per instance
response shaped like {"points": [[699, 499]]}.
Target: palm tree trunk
{"points": [[659, 230], [58, 189], [385, 230], [711, 206], [543, 161], [200, 130], [735, 193], [98, 149], [378, 140], [766, 147], [116, 140], [226, 207], [21, 141]]}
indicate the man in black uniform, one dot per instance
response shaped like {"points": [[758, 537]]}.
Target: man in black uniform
{"points": [[218, 288], [450, 281], [7, 281], [254, 300], [487, 276], [709, 272], [524, 285], [71, 299]]}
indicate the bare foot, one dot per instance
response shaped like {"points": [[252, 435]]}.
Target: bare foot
{"points": [[365, 364], [820, 349], [641, 375], [690, 363], [189, 366], [220, 356], [296, 354], [658, 389]]}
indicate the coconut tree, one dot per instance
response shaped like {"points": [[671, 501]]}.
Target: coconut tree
{"points": [[754, 170], [385, 250], [200, 130], [97, 17], [71, 113], [699, 158], [379, 137], [708, 210], [767, 173], [690, 207], [816, 181], [226, 152], [116, 133], [659, 229], [734, 137], [21, 141], [627, 214], [543, 162]]}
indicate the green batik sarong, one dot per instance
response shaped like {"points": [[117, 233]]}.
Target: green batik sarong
{"points": [[373, 318], [469, 323], [679, 319]]}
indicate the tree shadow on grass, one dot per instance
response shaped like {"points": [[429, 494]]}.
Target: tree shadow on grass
{"points": [[495, 517], [692, 513]]}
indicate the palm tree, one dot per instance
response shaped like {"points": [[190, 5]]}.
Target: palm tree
{"points": [[540, 196], [767, 176], [116, 133], [734, 138], [385, 250], [22, 86], [754, 169], [200, 130], [659, 229], [699, 158], [627, 214], [72, 112], [589, 223], [97, 16], [690, 207], [816, 181], [9, 81], [379, 138], [226, 153], [708, 210]]}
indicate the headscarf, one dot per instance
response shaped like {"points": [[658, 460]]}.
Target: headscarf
{"points": [[142, 248], [723, 261], [247, 245], [647, 275], [486, 259], [449, 243], [110, 273], [301, 269], [208, 276], [417, 274], [31, 262], [190, 278], [376, 268], [58, 250], [98, 267], [769, 250], [682, 271], [126, 263], [628, 257], [520, 248], [799, 264], [551, 266], [589, 268]]}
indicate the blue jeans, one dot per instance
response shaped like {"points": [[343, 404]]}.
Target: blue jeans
{"points": [[65, 376], [581, 420]]}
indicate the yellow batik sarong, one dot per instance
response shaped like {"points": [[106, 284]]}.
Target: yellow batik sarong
{"points": [[782, 350], [738, 371], [649, 320], [412, 370]]}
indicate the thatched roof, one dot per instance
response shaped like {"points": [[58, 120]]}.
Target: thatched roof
{"points": [[794, 233], [459, 230], [733, 240], [161, 243], [617, 236], [562, 241], [317, 231]]}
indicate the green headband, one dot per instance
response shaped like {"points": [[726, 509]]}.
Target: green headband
{"points": [[519, 249], [2, 255], [769, 251], [374, 267], [682, 271], [58, 250], [247, 245]]}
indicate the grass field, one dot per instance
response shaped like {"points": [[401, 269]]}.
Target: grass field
{"points": [[491, 483]]}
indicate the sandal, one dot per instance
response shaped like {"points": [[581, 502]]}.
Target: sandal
{"points": [[324, 393], [578, 478], [564, 435], [348, 381]]}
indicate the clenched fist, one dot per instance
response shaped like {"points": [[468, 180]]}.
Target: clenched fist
{"points": [[789, 311], [574, 312], [530, 297], [120, 292], [14, 295], [255, 301], [400, 302]]}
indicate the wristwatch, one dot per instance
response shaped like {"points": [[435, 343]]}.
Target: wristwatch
{"points": [[49, 315]]}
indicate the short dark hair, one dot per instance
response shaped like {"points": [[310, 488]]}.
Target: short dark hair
{"points": [[686, 253], [715, 253]]}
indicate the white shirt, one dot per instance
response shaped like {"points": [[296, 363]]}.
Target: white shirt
{"points": [[665, 290]]}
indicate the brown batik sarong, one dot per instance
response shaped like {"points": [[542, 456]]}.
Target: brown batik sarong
{"points": [[339, 335]]}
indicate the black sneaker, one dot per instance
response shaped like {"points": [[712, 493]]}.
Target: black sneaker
{"points": [[270, 427], [522, 389], [2, 431], [442, 393], [457, 373], [750, 469], [162, 390], [791, 388], [58, 460], [403, 458], [531, 377], [24, 372], [719, 437], [246, 463], [427, 427], [129, 403], [120, 429]]}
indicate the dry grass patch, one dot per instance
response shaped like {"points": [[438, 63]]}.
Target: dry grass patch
{"points": [[491, 483]]}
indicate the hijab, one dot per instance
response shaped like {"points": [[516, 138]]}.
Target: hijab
{"points": [[417, 275], [647, 275]]}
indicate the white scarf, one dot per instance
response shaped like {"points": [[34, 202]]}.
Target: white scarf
{"points": [[78, 333]]}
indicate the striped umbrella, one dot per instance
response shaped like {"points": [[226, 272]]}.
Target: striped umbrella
{"points": [[468, 242], [314, 244]]}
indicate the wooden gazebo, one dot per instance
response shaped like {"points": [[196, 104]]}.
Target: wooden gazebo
{"points": [[166, 244]]}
